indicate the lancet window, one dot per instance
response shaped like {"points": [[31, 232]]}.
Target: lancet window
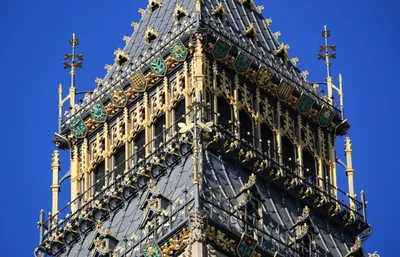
{"points": [[158, 130], [119, 162], [99, 177], [246, 127], [179, 112], [224, 110]]}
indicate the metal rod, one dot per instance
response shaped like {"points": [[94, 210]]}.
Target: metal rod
{"points": [[364, 205]]}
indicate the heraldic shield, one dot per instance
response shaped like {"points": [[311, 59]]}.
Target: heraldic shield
{"points": [[263, 77], [78, 127], [158, 66], [305, 103], [151, 249], [221, 49], [242, 63], [246, 246], [178, 51], [98, 112], [325, 116], [138, 82], [284, 90]]}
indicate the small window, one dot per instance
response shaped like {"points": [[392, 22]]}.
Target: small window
{"points": [[153, 5], [99, 179], [120, 57], [249, 3], [246, 127], [158, 131], [310, 170], [267, 135], [250, 32], [220, 12], [119, 162], [150, 35], [224, 110], [179, 112], [139, 145], [289, 153], [180, 13]]}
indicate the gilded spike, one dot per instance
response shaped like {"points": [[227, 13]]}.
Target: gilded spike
{"points": [[108, 67], [134, 25], [142, 11], [277, 35], [295, 60]]}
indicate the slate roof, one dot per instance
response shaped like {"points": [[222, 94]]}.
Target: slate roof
{"points": [[239, 17], [223, 181]]}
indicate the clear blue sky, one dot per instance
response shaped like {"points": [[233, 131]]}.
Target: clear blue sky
{"points": [[34, 37]]}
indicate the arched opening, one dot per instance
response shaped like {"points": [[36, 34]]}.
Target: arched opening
{"points": [[119, 161], [138, 146], [159, 126], [267, 135], [289, 153], [310, 167], [224, 110], [246, 127], [179, 112], [98, 177]]}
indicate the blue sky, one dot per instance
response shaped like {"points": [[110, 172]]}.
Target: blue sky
{"points": [[35, 37]]}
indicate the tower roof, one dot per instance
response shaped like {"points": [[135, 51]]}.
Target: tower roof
{"points": [[237, 22]]}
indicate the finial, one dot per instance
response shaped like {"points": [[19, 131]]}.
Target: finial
{"points": [[260, 8], [327, 49], [108, 67], [135, 25], [73, 57], [277, 35], [126, 39], [295, 60], [142, 11], [268, 21]]}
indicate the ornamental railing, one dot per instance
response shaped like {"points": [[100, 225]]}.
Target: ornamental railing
{"points": [[287, 169], [283, 241], [170, 141]]}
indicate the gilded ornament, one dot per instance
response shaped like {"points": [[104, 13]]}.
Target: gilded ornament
{"points": [[138, 82]]}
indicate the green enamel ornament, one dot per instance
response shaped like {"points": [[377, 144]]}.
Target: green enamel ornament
{"points": [[158, 66], [98, 113], [325, 116], [178, 51], [221, 49], [242, 63], [78, 128], [152, 250], [246, 246], [305, 103]]}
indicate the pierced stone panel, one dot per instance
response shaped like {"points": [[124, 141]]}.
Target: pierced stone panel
{"points": [[138, 120], [157, 104], [117, 134]]}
